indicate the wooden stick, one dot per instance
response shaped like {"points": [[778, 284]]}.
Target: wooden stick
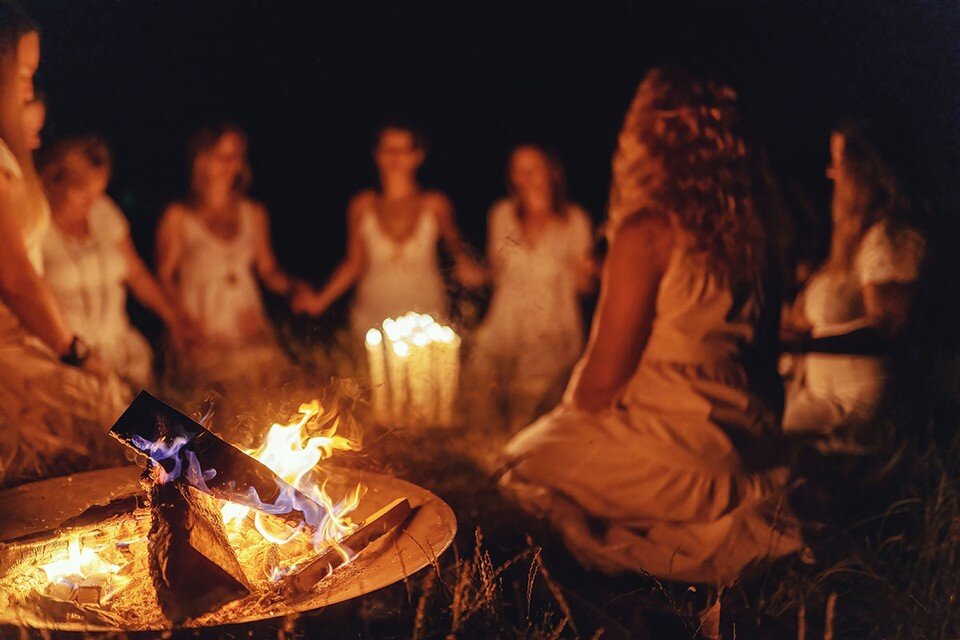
{"points": [[378, 524]]}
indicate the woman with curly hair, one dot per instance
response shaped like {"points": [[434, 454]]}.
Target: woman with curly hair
{"points": [[652, 463], [854, 306]]}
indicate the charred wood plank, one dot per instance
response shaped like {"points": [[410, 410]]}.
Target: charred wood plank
{"points": [[193, 568], [230, 473], [378, 524]]}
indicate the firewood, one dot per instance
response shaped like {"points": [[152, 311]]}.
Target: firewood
{"points": [[233, 475], [193, 567], [378, 524]]}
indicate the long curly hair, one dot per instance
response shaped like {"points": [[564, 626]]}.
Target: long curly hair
{"points": [[681, 152]]}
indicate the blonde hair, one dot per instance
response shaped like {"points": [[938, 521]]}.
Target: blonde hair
{"points": [[681, 152]]}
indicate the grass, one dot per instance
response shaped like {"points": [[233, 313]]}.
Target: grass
{"points": [[884, 531]]}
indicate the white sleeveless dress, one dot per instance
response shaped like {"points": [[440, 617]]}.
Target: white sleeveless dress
{"points": [[88, 277], [668, 479], [830, 394], [399, 276], [533, 332], [53, 418], [218, 288]]}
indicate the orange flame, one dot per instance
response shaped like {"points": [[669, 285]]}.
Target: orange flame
{"points": [[292, 454]]}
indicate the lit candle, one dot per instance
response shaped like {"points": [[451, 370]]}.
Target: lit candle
{"points": [[378, 377], [419, 360], [449, 375], [422, 400], [397, 365]]}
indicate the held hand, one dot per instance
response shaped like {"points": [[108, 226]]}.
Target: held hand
{"points": [[469, 273], [308, 302]]}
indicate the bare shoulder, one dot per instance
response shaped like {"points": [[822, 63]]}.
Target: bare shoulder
{"points": [[437, 202], [174, 215], [363, 200], [360, 203], [649, 233], [260, 214]]}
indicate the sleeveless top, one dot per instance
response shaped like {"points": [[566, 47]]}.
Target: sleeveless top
{"points": [[690, 392], [217, 284], [399, 276]]}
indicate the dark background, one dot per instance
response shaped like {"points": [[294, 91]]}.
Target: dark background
{"points": [[312, 81]]}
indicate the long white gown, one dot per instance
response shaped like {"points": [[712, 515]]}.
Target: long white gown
{"points": [[53, 418], [668, 480], [399, 276], [88, 277], [533, 332], [832, 394], [218, 288]]}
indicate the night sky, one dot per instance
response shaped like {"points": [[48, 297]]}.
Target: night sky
{"points": [[312, 81]]}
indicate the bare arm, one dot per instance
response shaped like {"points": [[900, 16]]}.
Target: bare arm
{"points": [[467, 270], [350, 268], [638, 257], [21, 288], [273, 277], [170, 250], [144, 286]]}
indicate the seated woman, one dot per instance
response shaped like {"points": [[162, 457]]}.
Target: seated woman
{"points": [[392, 238], [89, 261], [653, 463], [211, 249], [57, 399], [853, 306], [540, 250]]}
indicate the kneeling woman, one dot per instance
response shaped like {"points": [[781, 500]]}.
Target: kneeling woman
{"points": [[89, 260], [652, 462]]}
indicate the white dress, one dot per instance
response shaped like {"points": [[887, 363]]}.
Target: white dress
{"points": [[831, 393], [218, 288], [669, 479], [399, 276], [88, 277], [53, 418], [533, 332]]}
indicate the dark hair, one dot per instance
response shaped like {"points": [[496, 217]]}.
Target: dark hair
{"points": [[205, 139], [419, 139], [91, 146], [558, 179], [869, 163], [15, 22]]}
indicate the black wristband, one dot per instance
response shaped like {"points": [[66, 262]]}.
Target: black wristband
{"points": [[77, 354]]}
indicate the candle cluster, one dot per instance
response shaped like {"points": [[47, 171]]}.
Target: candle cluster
{"points": [[414, 370]]}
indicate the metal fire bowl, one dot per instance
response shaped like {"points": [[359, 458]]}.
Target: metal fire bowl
{"points": [[42, 513]]}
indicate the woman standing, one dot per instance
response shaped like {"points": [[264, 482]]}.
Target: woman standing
{"points": [[540, 250], [89, 261], [57, 399], [852, 309], [392, 238], [211, 250], [653, 461]]}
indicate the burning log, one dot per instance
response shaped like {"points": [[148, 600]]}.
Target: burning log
{"points": [[193, 567], [180, 445], [378, 524]]}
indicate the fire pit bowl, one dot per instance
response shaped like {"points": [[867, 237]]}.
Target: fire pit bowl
{"points": [[106, 510]]}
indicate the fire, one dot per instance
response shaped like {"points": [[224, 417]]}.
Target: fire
{"points": [[80, 564], [292, 454]]}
